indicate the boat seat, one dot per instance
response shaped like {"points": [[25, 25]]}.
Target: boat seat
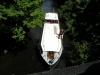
{"points": [[50, 54]]}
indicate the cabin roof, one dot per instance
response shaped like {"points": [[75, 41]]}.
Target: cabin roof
{"points": [[53, 16]]}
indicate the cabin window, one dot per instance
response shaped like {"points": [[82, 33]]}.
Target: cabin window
{"points": [[48, 21], [56, 21], [51, 21]]}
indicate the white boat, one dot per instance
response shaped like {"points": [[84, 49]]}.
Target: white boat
{"points": [[50, 44]]}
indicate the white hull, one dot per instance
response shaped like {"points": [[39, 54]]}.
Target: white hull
{"points": [[50, 43]]}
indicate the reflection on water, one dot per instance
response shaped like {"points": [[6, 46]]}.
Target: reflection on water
{"points": [[35, 33]]}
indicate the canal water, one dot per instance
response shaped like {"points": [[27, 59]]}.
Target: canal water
{"points": [[28, 61]]}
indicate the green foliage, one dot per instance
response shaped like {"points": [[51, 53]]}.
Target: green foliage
{"points": [[70, 10], [81, 18], [19, 33], [18, 15], [26, 12], [5, 51], [80, 52]]}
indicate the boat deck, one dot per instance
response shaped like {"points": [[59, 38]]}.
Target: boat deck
{"points": [[50, 40]]}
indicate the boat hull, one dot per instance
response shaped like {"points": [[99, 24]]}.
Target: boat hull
{"points": [[51, 42]]}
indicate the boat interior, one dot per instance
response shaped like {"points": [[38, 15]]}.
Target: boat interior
{"points": [[50, 54]]}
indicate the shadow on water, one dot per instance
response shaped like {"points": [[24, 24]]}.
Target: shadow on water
{"points": [[35, 34], [7, 43], [92, 70], [41, 60], [25, 61], [64, 60]]}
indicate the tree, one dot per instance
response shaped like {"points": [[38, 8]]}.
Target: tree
{"points": [[16, 16], [79, 53], [81, 18]]}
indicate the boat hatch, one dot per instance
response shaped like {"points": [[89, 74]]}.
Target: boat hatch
{"points": [[50, 55]]}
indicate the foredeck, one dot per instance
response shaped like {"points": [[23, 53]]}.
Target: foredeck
{"points": [[50, 41]]}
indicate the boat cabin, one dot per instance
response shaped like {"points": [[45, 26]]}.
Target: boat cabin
{"points": [[51, 18]]}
